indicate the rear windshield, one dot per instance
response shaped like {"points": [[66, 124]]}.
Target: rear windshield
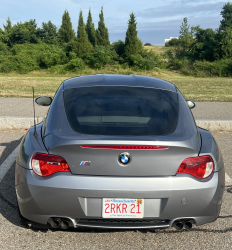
{"points": [[120, 110]]}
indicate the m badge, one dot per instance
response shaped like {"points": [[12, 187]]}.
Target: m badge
{"points": [[85, 163]]}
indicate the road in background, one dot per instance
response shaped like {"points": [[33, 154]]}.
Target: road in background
{"points": [[15, 235], [20, 107], [202, 111]]}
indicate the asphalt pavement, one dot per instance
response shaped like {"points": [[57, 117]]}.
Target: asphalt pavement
{"points": [[14, 234], [202, 111]]}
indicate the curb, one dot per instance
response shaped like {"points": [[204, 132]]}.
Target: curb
{"points": [[16, 122], [215, 125]]}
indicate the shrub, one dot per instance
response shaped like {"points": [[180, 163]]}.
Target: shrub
{"points": [[147, 44], [72, 55], [100, 57], [179, 63], [51, 57], [46, 55], [3, 49], [154, 57], [172, 42], [19, 63], [216, 68], [27, 48], [75, 65], [141, 63]]}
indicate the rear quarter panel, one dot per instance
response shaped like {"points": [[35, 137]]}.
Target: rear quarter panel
{"points": [[209, 147]]}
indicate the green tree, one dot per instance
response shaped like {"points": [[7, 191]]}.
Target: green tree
{"points": [[26, 32], [186, 33], [4, 37], [102, 33], [133, 45], [119, 47], [90, 30], [226, 17], [226, 43], [49, 33], [82, 44], [172, 42], [8, 25], [206, 45], [66, 32], [98, 37]]}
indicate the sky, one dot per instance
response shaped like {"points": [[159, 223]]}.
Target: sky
{"points": [[156, 20]]}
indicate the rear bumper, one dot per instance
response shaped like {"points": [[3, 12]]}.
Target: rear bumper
{"points": [[79, 198]]}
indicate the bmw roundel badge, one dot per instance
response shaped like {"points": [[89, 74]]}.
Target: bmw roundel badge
{"points": [[124, 158]]}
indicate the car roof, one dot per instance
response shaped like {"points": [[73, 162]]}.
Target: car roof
{"points": [[118, 80]]}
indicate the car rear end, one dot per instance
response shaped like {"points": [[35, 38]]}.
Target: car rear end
{"points": [[121, 156]]}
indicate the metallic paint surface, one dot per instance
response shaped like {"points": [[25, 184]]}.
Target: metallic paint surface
{"points": [[59, 195]]}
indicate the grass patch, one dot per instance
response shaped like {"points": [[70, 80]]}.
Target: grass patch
{"points": [[198, 89], [158, 49]]}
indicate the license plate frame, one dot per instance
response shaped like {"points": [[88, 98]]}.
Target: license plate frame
{"points": [[122, 208]]}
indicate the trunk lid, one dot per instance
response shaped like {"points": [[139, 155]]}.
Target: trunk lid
{"points": [[143, 162]]}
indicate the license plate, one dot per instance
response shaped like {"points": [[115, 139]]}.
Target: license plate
{"points": [[122, 208]]}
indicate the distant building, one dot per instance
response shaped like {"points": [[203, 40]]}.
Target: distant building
{"points": [[168, 39]]}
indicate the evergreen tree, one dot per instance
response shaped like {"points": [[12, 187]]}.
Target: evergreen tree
{"points": [[102, 34], [8, 25], [82, 44], [90, 30], [133, 45], [226, 13], [184, 29], [3, 38], [98, 37], [186, 33], [66, 32]]}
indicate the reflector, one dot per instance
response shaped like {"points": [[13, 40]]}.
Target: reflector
{"points": [[200, 167], [45, 164]]}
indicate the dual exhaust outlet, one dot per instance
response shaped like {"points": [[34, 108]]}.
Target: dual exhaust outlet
{"points": [[180, 224], [60, 222]]}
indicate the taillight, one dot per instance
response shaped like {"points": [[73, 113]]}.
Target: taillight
{"points": [[44, 164], [200, 167]]}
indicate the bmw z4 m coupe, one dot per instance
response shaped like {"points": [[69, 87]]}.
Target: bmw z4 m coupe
{"points": [[117, 151]]}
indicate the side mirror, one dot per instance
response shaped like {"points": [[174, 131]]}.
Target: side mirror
{"points": [[191, 104], [43, 100]]}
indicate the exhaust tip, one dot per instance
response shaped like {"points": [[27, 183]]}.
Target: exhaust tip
{"points": [[55, 223], [188, 225], [178, 224], [64, 224]]}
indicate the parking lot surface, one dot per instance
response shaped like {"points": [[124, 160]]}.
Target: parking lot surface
{"points": [[15, 234]]}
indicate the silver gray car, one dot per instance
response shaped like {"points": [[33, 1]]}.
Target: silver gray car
{"points": [[119, 151]]}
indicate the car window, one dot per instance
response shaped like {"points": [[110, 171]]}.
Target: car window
{"points": [[121, 110]]}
